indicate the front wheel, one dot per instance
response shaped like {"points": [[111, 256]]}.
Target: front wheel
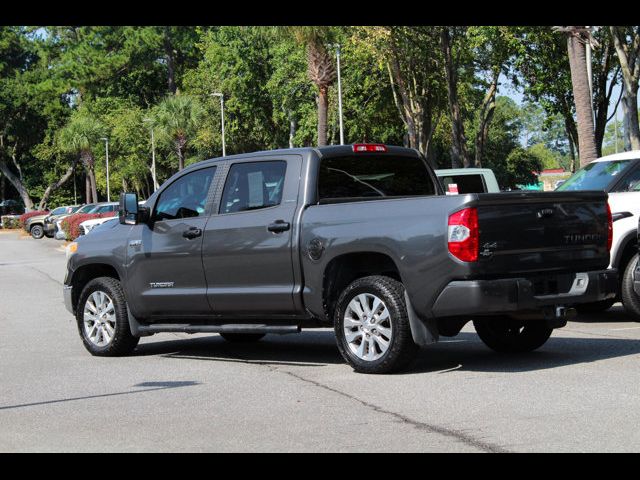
{"points": [[37, 232], [102, 319], [372, 326], [507, 335], [630, 299]]}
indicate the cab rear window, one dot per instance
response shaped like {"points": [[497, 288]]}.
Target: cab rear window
{"points": [[361, 177]]}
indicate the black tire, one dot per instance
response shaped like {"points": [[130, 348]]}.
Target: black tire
{"points": [[401, 348], [37, 231], [630, 299], [507, 335], [595, 307], [122, 342], [242, 337]]}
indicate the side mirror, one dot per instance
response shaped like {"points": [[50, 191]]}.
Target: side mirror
{"points": [[128, 212]]}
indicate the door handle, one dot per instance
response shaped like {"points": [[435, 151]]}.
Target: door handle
{"points": [[192, 233], [279, 226]]}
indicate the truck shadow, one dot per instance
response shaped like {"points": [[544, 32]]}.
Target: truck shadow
{"points": [[464, 352], [309, 349]]}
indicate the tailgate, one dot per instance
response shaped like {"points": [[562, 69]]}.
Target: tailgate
{"points": [[543, 232]]}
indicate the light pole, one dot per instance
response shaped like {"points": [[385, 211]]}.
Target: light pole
{"points": [[224, 152], [106, 146], [337, 47]]}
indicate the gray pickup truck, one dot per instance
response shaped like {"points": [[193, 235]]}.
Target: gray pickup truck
{"points": [[360, 238]]}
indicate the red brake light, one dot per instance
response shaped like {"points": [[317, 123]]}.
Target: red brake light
{"points": [[369, 147], [609, 228], [463, 235]]}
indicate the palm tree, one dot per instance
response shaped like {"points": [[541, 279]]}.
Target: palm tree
{"points": [[577, 37], [320, 68], [177, 118], [79, 136]]}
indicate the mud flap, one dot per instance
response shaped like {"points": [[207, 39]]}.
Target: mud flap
{"points": [[423, 334], [134, 326]]}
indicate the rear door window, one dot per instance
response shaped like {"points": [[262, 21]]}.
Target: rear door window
{"points": [[253, 185]]}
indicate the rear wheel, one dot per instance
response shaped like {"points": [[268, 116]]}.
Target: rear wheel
{"points": [[102, 319], [504, 334], [630, 299], [37, 232], [242, 337], [372, 326]]}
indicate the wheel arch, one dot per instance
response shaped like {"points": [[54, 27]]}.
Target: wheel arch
{"points": [[85, 273], [343, 269], [628, 248]]}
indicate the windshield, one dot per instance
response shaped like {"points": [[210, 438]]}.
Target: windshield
{"points": [[87, 208], [594, 176]]}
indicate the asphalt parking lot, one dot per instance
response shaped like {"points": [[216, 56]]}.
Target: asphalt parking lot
{"points": [[580, 392]]}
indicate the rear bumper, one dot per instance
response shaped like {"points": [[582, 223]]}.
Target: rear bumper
{"points": [[472, 297]]}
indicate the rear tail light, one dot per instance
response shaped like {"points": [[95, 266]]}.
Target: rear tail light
{"points": [[463, 235], [609, 228], [369, 147]]}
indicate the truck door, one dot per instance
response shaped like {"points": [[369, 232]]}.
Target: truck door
{"points": [[247, 248], [165, 274]]}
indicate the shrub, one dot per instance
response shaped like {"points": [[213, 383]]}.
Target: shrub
{"points": [[71, 224], [10, 221], [26, 216]]}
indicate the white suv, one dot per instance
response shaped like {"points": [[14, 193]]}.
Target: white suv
{"points": [[619, 175]]}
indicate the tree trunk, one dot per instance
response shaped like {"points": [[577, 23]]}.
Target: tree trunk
{"points": [[180, 153], [323, 108], [94, 188], [572, 151], [54, 186], [154, 175], [630, 100], [587, 151], [168, 50], [486, 115], [87, 187], [628, 56], [18, 185], [626, 134], [293, 126], [459, 155]]}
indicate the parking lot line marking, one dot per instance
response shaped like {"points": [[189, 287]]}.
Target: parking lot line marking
{"points": [[628, 328]]}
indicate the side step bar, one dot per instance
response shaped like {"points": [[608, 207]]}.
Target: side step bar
{"points": [[228, 328]]}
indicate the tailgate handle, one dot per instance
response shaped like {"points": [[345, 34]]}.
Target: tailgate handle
{"points": [[279, 226]]}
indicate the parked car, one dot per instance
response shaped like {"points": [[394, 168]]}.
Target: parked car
{"points": [[35, 225], [88, 225], [59, 233], [49, 223], [358, 237], [11, 207], [469, 180], [619, 176]]}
